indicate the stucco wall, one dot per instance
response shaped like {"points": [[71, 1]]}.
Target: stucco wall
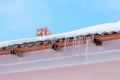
{"points": [[97, 71]]}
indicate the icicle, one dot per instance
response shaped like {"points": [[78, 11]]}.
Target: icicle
{"points": [[34, 49], [50, 46], [79, 45], [86, 54], [65, 41], [43, 46], [74, 44], [75, 41], [25, 46]]}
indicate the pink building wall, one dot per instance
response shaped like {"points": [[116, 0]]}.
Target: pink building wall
{"points": [[97, 71]]}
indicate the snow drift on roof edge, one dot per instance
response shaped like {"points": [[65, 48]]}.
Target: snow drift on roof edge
{"points": [[107, 27]]}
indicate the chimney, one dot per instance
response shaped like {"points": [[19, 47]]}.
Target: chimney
{"points": [[43, 32]]}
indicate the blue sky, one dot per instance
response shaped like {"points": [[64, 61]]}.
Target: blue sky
{"points": [[20, 18]]}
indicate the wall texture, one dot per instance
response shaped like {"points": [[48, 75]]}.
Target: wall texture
{"points": [[97, 71]]}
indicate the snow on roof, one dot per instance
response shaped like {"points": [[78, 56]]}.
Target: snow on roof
{"points": [[108, 27]]}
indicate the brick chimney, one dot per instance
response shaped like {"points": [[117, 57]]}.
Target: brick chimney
{"points": [[43, 32]]}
